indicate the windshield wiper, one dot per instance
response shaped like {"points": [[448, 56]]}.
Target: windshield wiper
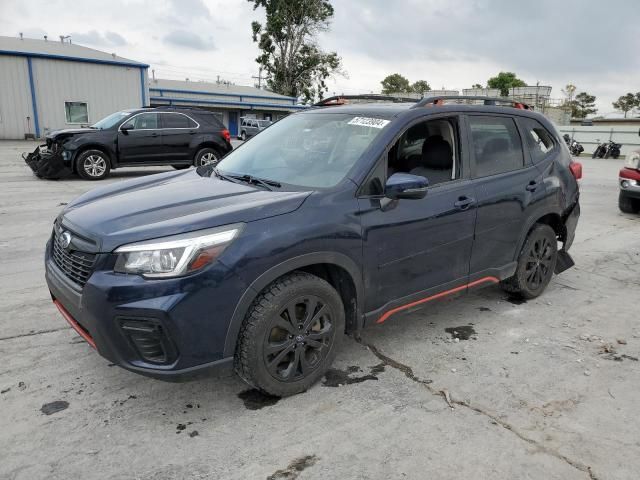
{"points": [[221, 175], [263, 182]]}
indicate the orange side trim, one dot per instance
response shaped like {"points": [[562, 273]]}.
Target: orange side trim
{"points": [[75, 325], [480, 281]]}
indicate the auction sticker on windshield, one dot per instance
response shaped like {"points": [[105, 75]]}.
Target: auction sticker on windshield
{"points": [[369, 122]]}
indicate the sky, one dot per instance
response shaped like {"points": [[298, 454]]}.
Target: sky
{"points": [[450, 43]]}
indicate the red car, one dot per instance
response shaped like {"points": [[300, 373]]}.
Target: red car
{"points": [[629, 199]]}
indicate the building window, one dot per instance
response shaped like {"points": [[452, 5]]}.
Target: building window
{"points": [[76, 112]]}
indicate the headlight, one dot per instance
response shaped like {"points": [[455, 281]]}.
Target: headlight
{"points": [[177, 255], [633, 160]]}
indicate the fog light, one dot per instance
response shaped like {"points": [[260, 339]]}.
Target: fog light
{"points": [[149, 340], [66, 155], [624, 183]]}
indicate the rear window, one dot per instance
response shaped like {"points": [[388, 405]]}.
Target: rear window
{"points": [[176, 120], [539, 140], [496, 144]]}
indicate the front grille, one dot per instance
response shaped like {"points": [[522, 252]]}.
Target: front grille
{"points": [[76, 265]]}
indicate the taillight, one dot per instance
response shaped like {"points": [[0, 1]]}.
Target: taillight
{"points": [[576, 170], [226, 135]]}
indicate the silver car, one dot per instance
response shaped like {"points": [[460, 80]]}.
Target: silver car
{"points": [[250, 127]]}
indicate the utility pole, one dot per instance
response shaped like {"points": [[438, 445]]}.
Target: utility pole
{"points": [[259, 78]]}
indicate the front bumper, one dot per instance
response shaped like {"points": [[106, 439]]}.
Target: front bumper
{"points": [[629, 181], [191, 314], [47, 163]]}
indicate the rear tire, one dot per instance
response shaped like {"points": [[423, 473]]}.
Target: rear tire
{"points": [[206, 156], [536, 263], [628, 204], [243, 136], [93, 165], [290, 335]]}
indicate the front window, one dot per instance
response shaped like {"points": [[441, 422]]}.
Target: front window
{"points": [[111, 120], [312, 150], [76, 112], [143, 121]]}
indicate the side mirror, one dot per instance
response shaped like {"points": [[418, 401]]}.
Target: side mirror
{"points": [[125, 128], [405, 185]]}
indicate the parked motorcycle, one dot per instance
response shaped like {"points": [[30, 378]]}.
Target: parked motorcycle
{"points": [[606, 150], [575, 148]]}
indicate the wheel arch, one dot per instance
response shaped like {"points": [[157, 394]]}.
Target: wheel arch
{"points": [[337, 269], [551, 218]]}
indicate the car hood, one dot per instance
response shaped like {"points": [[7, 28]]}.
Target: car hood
{"points": [[69, 132], [170, 203]]}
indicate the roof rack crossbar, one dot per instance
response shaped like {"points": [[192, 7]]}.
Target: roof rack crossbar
{"points": [[344, 99], [439, 100]]}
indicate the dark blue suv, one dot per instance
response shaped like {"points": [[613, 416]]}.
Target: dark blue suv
{"points": [[330, 220]]}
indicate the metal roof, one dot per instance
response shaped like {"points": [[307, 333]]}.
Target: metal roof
{"points": [[183, 86], [55, 49]]}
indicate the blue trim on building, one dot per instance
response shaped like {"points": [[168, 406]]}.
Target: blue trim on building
{"points": [[240, 95], [36, 122], [73, 59], [248, 106], [144, 100]]}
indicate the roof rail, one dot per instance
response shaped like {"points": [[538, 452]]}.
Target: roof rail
{"points": [[177, 107], [440, 100], [344, 99]]}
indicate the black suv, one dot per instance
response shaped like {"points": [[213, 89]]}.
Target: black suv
{"points": [[180, 137], [331, 220]]}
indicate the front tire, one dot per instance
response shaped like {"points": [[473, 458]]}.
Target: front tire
{"points": [[243, 136], [290, 335], [536, 263], [93, 165], [627, 204], [206, 156]]}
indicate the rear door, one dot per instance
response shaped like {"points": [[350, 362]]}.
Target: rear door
{"points": [[177, 131], [507, 187], [142, 142]]}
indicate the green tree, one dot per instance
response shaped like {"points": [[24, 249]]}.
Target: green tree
{"points": [[627, 102], [583, 105], [477, 85], [289, 53], [395, 83], [420, 86], [569, 91], [504, 81]]}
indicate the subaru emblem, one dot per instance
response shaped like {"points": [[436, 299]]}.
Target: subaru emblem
{"points": [[64, 239]]}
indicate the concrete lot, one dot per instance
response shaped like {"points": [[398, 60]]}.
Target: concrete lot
{"points": [[546, 389]]}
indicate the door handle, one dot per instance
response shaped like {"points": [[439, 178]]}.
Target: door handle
{"points": [[533, 185], [154, 134], [463, 203]]}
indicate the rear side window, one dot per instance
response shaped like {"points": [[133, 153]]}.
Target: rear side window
{"points": [[539, 140], [175, 120], [496, 144]]}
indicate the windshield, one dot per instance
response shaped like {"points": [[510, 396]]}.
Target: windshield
{"points": [[306, 150], [111, 120]]}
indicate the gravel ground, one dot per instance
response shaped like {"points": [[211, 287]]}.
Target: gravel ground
{"points": [[546, 389]]}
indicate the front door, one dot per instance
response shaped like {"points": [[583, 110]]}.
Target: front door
{"points": [[140, 139], [416, 248]]}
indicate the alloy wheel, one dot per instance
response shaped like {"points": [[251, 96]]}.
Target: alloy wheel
{"points": [[94, 165], [539, 261], [299, 338], [208, 158]]}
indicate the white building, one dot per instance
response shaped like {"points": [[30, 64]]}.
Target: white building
{"points": [[48, 85], [230, 101]]}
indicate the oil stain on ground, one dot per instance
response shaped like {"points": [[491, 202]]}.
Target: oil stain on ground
{"points": [[294, 468], [461, 333], [516, 300], [336, 378], [255, 399], [54, 407]]}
